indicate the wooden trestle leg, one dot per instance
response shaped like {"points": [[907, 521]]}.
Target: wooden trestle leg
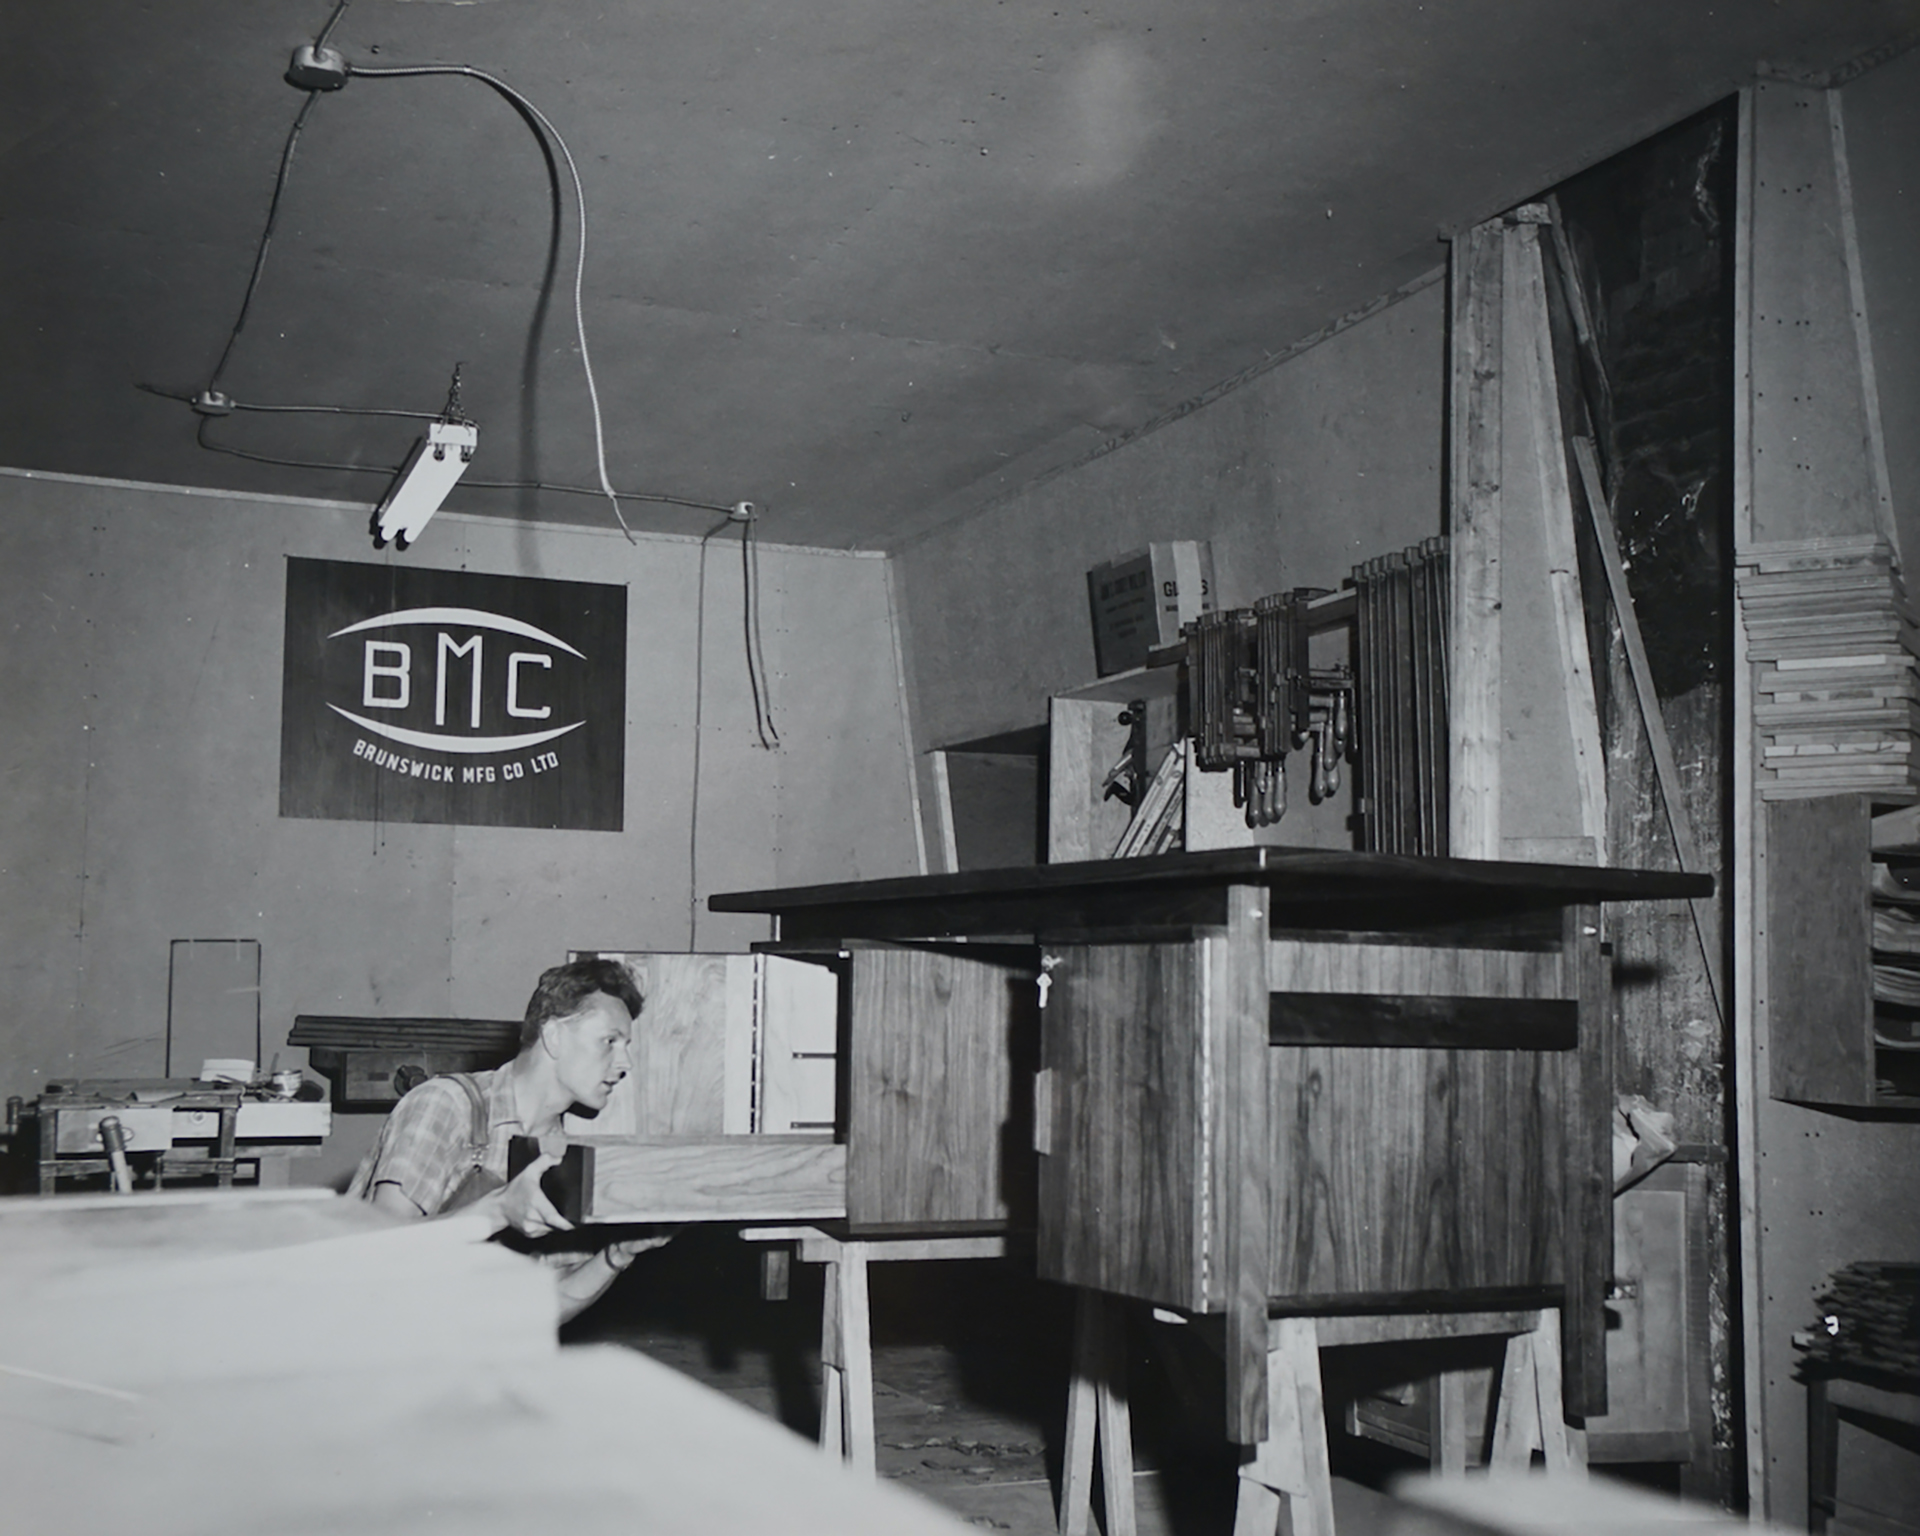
{"points": [[1098, 1416]]}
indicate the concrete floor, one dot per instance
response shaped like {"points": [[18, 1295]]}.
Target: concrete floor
{"points": [[970, 1366]]}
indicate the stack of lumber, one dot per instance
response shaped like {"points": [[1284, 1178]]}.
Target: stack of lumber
{"points": [[223, 1364], [1837, 690], [1160, 818], [1869, 1320]]}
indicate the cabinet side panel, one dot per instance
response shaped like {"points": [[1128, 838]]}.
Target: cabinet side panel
{"points": [[1417, 1170], [940, 1089], [1121, 1191], [1820, 940]]}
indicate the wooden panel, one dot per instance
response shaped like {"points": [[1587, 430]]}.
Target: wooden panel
{"points": [[1417, 1170], [799, 1046], [732, 1178], [1446, 1023], [678, 1082], [1296, 965], [1120, 1196], [939, 1103], [1819, 948], [1650, 1378]]}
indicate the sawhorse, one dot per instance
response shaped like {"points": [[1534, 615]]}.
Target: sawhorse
{"points": [[1289, 1470], [846, 1341]]}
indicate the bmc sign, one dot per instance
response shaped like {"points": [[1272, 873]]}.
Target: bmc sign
{"points": [[419, 695]]}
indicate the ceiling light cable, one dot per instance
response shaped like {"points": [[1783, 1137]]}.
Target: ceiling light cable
{"points": [[266, 240], [332, 22], [405, 71]]}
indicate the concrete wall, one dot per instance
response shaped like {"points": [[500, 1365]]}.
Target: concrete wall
{"points": [[1330, 458], [140, 688]]}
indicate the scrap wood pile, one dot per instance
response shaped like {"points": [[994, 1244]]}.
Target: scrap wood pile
{"points": [[1837, 690], [1869, 1321]]}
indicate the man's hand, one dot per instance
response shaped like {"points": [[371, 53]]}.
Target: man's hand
{"points": [[585, 1282], [524, 1205]]}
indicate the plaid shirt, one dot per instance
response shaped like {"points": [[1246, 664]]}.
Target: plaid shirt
{"points": [[425, 1148]]}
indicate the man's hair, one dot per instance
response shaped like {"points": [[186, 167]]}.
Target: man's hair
{"points": [[563, 989]]}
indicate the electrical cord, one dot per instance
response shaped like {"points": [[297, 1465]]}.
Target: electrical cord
{"points": [[211, 395], [408, 71], [757, 677], [699, 710], [266, 236], [332, 22], [230, 404]]}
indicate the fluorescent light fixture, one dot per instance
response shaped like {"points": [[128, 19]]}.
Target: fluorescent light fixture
{"points": [[437, 461]]}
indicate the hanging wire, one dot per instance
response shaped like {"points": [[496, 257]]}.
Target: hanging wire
{"points": [[332, 22], [757, 677], [527, 108], [699, 710], [266, 237]]}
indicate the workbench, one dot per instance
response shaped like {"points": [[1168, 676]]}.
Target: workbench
{"points": [[178, 1128], [1267, 1082]]}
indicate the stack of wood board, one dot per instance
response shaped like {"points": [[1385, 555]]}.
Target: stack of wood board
{"points": [[1869, 1320], [1834, 642], [226, 1364]]}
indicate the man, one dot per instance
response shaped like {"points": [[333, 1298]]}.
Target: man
{"points": [[444, 1148]]}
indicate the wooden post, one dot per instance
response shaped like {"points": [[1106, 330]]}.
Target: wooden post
{"points": [[1539, 396], [1473, 530], [1097, 1417], [1588, 1159], [1241, 1244]]}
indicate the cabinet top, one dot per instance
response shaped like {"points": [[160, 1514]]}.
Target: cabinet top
{"points": [[1308, 888]]}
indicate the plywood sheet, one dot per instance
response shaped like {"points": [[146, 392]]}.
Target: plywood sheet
{"points": [[1414, 1170], [941, 1054], [1121, 1193]]}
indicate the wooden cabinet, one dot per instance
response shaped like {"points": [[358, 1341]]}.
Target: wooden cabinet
{"points": [[1830, 1040]]}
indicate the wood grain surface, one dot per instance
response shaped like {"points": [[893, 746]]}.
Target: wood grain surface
{"points": [[727, 1178], [1417, 1170], [1122, 1202], [941, 1052], [677, 1085], [1819, 951]]}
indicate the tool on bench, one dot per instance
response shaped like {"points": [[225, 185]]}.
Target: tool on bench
{"points": [[1253, 697]]}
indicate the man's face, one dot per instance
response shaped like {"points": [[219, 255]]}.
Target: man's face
{"points": [[590, 1048]]}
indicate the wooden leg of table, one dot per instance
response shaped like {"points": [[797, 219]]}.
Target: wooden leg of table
{"points": [[1447, 1433], [1115, 1421], [1823, 1455], [833, 1374], [856, 1339], [1549, 1400], [1291, 1463], [1516, 1424], [1083, 1390]]}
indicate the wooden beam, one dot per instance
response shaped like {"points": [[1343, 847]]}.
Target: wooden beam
{"points": [[1876, 445], [1706, 916], [1474, 406], [1540, 399]]}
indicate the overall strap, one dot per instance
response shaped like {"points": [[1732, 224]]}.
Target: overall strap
{"points": [[480, 1134]]}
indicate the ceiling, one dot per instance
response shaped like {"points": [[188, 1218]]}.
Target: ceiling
{"points": [[867, 263]]}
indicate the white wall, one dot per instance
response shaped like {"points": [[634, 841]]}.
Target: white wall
{"points": [[139, 762]]}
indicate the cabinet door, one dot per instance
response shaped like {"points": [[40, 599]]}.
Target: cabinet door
{"points": [[1123, 1202], [941, 1048], [1819, 948]]}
